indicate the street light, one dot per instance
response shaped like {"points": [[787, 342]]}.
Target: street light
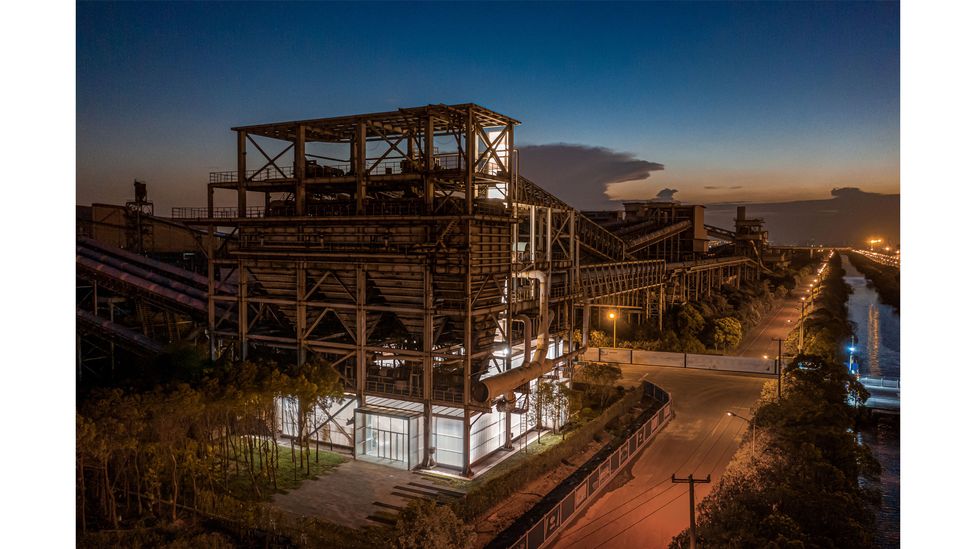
{"points": [[613, 317], [803, 307], [730, 413], [779, 366]]}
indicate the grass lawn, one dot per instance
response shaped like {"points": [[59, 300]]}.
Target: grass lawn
{"points": [[290, 473], [519, 456]]}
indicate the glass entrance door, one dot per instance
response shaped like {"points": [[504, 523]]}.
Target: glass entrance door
{"points": [[382, 438]]}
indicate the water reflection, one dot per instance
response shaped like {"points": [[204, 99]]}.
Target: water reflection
{"points": [[878, 327], [878, 332]]}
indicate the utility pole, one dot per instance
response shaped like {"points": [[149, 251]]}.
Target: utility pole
{"points": [[691, 480], [779, 366], [803, 307]]}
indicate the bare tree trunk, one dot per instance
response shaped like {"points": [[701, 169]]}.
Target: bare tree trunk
{"points": [[110, 497], [81, 506], [176, 484]]}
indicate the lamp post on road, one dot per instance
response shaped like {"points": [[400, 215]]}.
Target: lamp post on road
{"points": [[730, 413], [613, 317], [803, 306], [779, 366]]}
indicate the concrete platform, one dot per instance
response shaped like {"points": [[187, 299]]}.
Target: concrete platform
{"points": [[358, 490]]}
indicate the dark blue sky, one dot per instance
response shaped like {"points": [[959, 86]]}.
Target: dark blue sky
{"points": [[782, 100]]}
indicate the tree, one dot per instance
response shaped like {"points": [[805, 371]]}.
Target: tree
{"points": [[726, 333], [599, 339], [689, 320], [426, 525], [552, 400], [601, 376]]}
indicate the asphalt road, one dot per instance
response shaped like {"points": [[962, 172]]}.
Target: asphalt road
{"points": [[777, 324], [641, 507]]}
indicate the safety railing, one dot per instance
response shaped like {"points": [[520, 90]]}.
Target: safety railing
{"points": [[223, 212], [542, 524], [447, 395], [375, 166], [615, 278], [599, 239], [395, 387], [336, 208]]}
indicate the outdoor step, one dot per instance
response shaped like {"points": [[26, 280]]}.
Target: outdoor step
{"points": [[426, 492], [413, 497], [388, 505], [445, 491], [382, 520]]}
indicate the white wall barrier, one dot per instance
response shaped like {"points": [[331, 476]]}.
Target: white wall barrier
{"points": [[683, 360]]}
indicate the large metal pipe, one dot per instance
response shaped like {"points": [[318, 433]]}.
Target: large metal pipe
{"points": [[527, 346], [142, 273], [127, 336], [506, 382], [188, 276], [141, 283]]}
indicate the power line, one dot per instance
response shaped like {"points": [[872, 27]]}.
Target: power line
{"points": [[670, 501], [622, 515], [731, 442], [714, 442], [652, 498], [640, 494]]}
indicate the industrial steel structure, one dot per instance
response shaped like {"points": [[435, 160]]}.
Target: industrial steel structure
{"points": [[404, 249]]}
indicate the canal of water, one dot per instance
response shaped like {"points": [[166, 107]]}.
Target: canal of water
{"points": [[878, 353]]}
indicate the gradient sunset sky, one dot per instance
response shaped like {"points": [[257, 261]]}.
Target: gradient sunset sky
{"points": [[760, 102]]}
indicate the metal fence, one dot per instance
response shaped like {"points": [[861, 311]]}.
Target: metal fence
{"points": [[560, 513]]}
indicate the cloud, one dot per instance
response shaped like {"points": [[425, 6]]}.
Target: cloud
{"points": [[580, 174], [665, 195], [848, 218], [850, 192], [715, 187]]}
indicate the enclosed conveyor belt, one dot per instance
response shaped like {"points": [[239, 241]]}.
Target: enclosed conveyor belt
{"points": [[132, 274], [706, 264], [171, 272], [720, 233], [130, 284], [135, 269], [125, 337], [590, 234], [654, 237]]}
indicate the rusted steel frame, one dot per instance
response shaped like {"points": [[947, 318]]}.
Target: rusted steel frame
{"points": [[490, 147], [257, 314], [360, 334], [115, 278], [391, 145], [348, 307], [315, 323], [331, 418], [301, 318], [428, 340], [468, 338], [359, 160], [319, 282], [429, 164], [470, 143], [241, 173], [270, 161], [299, 171], [242, 308]]}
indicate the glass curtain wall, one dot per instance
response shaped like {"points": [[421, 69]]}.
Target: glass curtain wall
{"points": [[387, 439]]}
